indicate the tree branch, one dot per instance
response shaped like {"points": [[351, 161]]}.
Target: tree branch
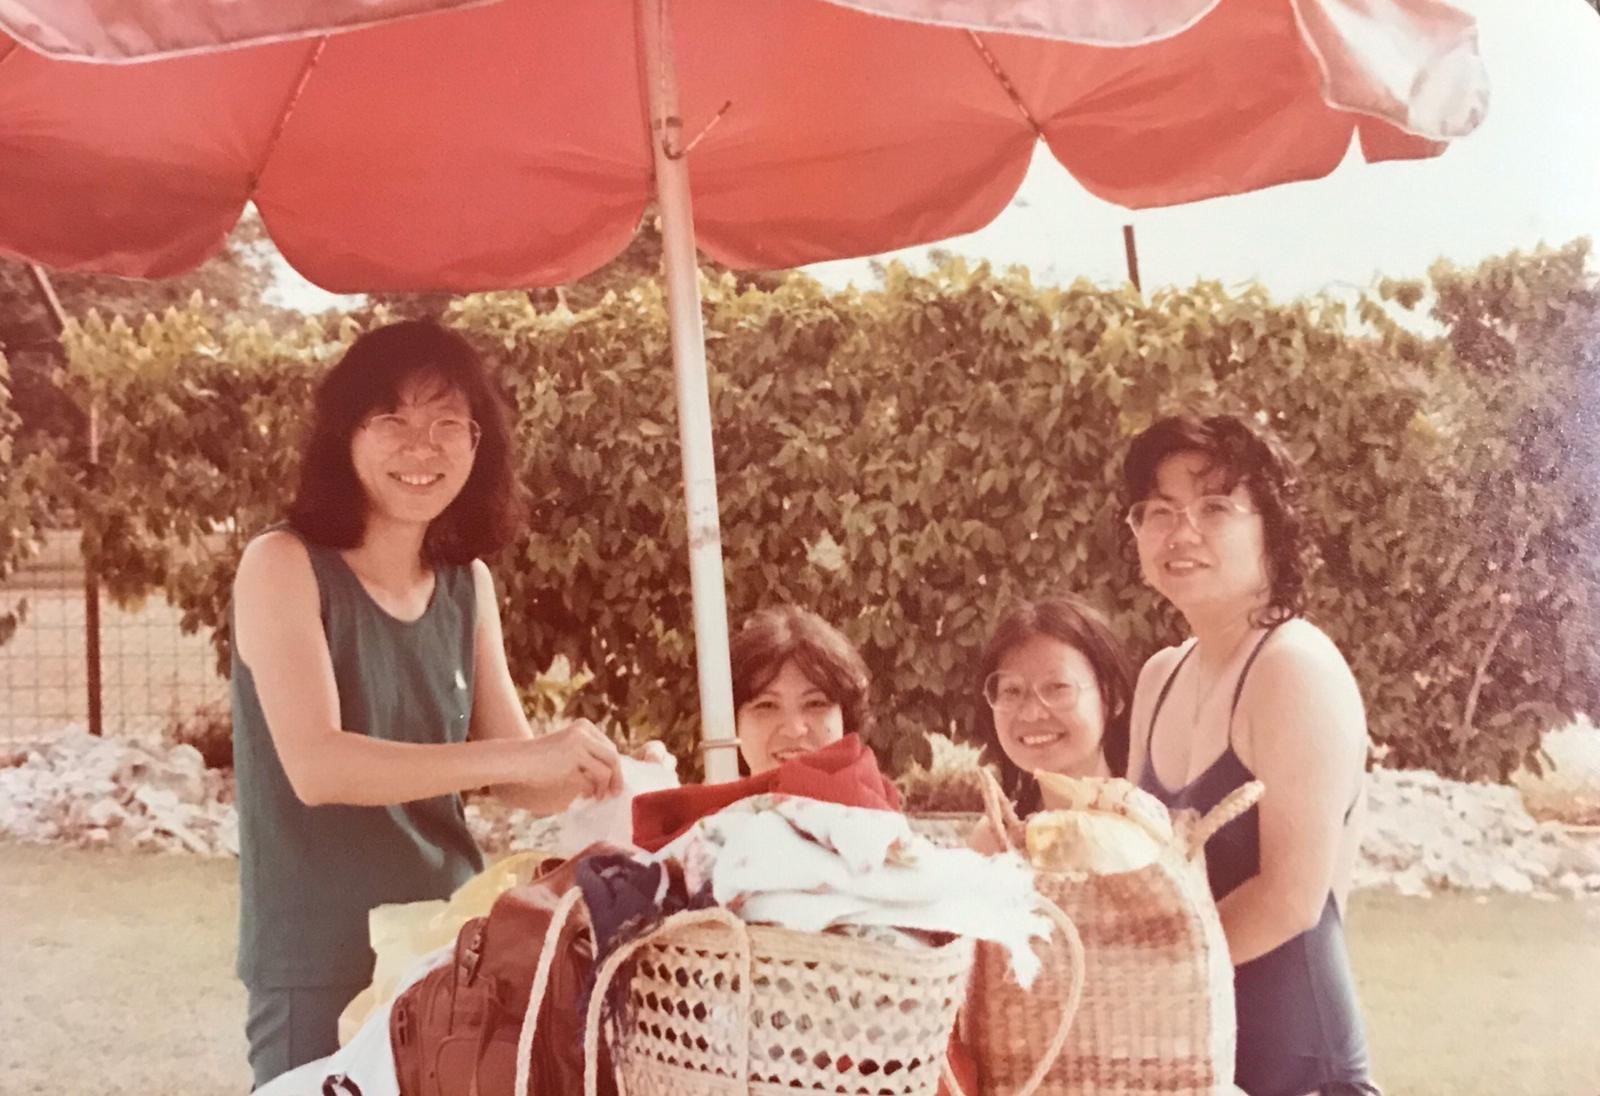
{"points": [[1481, 673]]}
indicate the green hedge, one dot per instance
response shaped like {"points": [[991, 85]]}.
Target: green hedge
{"points": [[28, 483], [904, 460]]}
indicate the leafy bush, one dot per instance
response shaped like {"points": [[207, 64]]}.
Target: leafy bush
{"points": [[27, 484], [905, 460], [209, 729], [199, 430]]}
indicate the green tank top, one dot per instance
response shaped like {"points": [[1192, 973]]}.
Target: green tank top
{"points": [[309, 875]]}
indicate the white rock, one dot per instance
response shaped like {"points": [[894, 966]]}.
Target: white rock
{"points": [[1536, 860], [186, 757], [1569, 789], [183, 772], [102, 814], [1571, 882], [1411, 883], [228, 833], [1580, 857], [190, 840], [1511, 880], [218, 786], [1422, 832], [82, 789]]}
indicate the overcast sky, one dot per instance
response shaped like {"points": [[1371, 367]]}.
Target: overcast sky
{"points": [[1529, 174]]}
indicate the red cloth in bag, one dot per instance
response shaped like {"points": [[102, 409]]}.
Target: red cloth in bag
{"points": [[844, 772]]}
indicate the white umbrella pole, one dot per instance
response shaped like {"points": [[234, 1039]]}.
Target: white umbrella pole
{"points": [[694, 397]]}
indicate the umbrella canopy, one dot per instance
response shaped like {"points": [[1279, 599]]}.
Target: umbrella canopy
{"points": [[469, 144], [498, 144]]}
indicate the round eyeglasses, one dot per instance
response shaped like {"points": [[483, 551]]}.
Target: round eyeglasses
{"points": [[1010, 692], [448, 434], [1208, 514]]}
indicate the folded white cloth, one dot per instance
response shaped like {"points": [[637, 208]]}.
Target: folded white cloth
{"points": [[586, 820]]}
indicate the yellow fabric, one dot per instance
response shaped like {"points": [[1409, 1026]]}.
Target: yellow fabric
{"points": [[402, 933], [1102, 826], [1101, 844]]}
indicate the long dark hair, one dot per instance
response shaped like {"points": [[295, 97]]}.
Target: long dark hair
{"points": [[330, 505], [829, 660], [1065, 618], [1247, 455]]}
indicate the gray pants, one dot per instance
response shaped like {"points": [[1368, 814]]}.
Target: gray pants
{"points": [[290, 1027]]}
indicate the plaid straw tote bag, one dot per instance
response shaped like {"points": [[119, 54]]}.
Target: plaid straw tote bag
{"points": [[1156, 1013]]}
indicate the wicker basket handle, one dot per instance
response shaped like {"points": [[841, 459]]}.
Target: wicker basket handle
{"points": [[713, 915], [1238, 801], [541, 984], [1073, 946], [997, 810], [1002, 817]]}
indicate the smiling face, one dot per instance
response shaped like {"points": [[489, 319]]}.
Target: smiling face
{"points": [[1063, 737], [1225, 565], [788, 717], [410, 459]]}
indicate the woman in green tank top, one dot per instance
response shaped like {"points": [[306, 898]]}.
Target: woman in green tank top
{"points": [[370, 685]]}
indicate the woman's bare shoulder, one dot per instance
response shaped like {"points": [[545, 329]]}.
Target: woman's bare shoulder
{"points": [[272, 559], [1298, 647], [1161, 664], [1301, 679]]}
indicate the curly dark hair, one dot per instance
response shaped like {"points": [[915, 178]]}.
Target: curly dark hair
{"points": [[1062, 617], [829, 660], [1245, 454], [328, 506]]}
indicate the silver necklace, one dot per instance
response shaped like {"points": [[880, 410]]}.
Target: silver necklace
{"points": [[1202, 697]]}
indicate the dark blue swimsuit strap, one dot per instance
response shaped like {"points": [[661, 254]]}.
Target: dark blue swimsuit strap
{"points": [[1238, 691], [1161, 698]]}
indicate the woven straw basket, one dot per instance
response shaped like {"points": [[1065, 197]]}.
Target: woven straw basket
{"points": [[716, 1007], [1156, 1013], [948, 829]]}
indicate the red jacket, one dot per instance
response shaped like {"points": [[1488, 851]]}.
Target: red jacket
{"points": [[844, 772]]}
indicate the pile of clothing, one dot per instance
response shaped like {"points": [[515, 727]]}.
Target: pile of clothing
{"points": [[817, 845]]}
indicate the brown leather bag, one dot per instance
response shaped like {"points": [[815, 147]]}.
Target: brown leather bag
{"points": [[455, 1031]]}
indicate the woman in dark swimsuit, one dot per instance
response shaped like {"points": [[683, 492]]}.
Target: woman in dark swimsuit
{"points": [[1257, 693]]}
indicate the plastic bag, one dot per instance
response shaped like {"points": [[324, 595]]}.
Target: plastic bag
{"points": [[403, 932], [587, 821]]}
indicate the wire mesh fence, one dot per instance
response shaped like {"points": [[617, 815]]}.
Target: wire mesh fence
{"points": [[152, 676]]}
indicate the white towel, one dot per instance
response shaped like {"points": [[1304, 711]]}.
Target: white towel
{"points": [[810, 865]]}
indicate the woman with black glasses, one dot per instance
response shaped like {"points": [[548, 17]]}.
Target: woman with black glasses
{"points": [[1258, 692]]}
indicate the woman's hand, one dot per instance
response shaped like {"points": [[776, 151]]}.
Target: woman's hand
{"points": [[573, 761]]}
